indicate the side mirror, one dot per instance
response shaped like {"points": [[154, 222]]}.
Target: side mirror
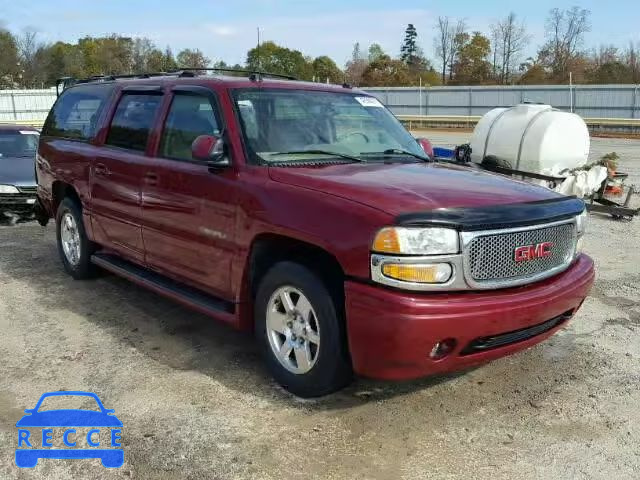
{"points": [[210, 149], [426, 146]]}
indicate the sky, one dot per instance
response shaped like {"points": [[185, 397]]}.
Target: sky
{"points": [[226, 29]]}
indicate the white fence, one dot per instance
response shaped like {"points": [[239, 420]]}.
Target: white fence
{"points": [[26, 106], [589, 101]]}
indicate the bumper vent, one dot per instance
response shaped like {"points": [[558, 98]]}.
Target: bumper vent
{"points": [[496, 341]]}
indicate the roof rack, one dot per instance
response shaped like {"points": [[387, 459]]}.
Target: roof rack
{"points": [[254, 76]]}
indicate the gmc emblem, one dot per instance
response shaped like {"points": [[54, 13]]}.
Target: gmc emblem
{"points": [[531, 252]]}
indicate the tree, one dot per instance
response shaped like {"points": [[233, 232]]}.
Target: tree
{"points": [[142, 48], [565, 32], [610, 72], [447, 43], [169, 60], [409, 49], [189, 58], [326, 70], [30, 55], [386, 71], [355, 67], [460, 38], [273, 58], [10, 71], [509, 40], [442, 44], [472, 66], [632, 59], [375, 52], [533, 75]]}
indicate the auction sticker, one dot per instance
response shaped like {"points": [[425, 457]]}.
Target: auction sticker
{"points": [[369, 102]]}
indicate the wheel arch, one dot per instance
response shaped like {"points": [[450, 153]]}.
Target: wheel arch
{"points": [[267, 249], [61, 190]]}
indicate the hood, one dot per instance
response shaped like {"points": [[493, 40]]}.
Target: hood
{"points": [[402, 188], [18, 171]]}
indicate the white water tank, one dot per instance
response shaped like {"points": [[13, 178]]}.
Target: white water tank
{"points": [[531, 138]]}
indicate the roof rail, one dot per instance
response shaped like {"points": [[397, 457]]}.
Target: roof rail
{"points": [[254, 76], [66, 82]]}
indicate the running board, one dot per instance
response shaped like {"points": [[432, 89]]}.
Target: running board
{"points": [[184, 294]]}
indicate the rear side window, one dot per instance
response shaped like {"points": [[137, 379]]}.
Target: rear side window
{"points": [[75, 114], [189, 117], [133, 120]]}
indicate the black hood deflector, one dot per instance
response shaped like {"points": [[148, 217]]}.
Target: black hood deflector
{"points": [[496, 216]]}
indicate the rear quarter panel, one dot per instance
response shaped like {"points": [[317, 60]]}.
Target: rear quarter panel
{"points": [[65, 161]]}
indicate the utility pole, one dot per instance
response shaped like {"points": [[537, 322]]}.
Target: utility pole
{"points": [[258, 50]]}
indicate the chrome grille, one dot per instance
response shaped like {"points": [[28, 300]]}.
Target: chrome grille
{"points": [[491, 257], [28, 189]]}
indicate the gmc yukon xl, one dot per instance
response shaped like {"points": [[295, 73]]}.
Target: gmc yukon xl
{"points": [[307, 214]]}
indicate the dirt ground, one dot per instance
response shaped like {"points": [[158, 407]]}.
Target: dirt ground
{"points": [[196, 401]]}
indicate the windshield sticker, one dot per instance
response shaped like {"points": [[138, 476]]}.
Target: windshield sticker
{"points": [[28, 132], [369, 102]]}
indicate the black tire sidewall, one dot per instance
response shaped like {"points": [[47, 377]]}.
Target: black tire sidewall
{"points": [[85, 268], [332, 369]]}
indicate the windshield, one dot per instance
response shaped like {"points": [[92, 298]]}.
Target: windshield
{"points": [[275, 122], [18, 143]]}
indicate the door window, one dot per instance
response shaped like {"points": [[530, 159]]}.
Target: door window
{"points": [[133, 120], [189, 117]]}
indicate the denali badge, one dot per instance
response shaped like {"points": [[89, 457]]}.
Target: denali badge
{"points": [[531, 252]]}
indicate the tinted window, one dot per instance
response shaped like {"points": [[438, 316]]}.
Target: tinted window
{"points": [[189, 117], [75, 114], [133, 120]]}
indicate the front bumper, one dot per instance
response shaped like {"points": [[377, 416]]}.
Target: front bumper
{"points": [[392, 332], [18, 203]]}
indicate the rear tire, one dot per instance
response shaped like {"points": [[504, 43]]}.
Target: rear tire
{"points": [[300, 331], [74, 247]]}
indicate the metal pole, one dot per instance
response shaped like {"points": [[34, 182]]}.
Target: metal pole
{"points": [[258, 49], [13, 105], [571, 92], [420, 97]]}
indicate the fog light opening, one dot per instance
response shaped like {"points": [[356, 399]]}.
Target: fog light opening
{"points": [[443, 348]]}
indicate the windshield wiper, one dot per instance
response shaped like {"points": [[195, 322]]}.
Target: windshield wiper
{"points": [[319, 152], [400, 151]]}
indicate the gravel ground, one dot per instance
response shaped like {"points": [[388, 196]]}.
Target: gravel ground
{"points": [[196, 401]]}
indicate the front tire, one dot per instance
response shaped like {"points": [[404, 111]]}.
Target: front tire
{"points": [[74, 246], [300, 331]]}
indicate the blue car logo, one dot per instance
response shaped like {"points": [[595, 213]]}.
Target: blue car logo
{"points": [[32, 447]]}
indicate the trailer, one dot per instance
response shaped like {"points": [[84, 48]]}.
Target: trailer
{"points": [[599, 202]]}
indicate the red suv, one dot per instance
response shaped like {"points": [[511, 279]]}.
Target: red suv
{"points": [[308, 214]]}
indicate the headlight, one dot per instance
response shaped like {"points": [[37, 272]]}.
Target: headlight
{"points": [[8, 189], [416, 241]]}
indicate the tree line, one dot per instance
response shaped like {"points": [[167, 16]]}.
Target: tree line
{"points": [[462, 56]]}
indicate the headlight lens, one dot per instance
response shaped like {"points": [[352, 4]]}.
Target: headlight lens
{"points": [[8, 189], [416, 241], [417, 273]]}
